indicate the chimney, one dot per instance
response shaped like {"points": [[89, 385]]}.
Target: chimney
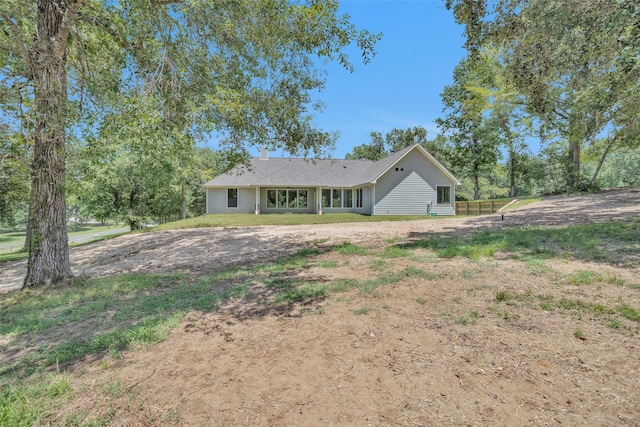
{"points": [[264, 153]]}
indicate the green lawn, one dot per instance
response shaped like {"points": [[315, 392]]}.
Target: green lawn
{"points": [[240, 220], [16, 239]]}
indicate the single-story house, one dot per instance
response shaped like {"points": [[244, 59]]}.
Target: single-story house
{"points": [[408, 182]]}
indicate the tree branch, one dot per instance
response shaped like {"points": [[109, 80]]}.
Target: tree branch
{"points": [[72, 15], [22, 47], [165, 2]]}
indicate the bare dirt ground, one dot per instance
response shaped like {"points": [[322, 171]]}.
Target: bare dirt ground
{"points": [[421, 352]]}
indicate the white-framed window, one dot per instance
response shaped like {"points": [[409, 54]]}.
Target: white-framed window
{"points": [[337, 197], [326, 198], [347, 200], [359, 198], [287, 199], [232, 197], [443, 195]]}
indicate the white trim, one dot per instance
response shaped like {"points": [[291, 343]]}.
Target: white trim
{"points": [[206, 195], [373, 200], [257, 202]]}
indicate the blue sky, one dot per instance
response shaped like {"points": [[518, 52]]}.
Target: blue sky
{"points": [[401, 86]]}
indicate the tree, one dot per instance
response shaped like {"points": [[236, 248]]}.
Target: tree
{"points": [[375, 150], [243, 69], [575, 62], [473, 134], [398, 139]]}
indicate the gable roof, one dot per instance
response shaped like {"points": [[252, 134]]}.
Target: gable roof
{"points": [[278, 172]]}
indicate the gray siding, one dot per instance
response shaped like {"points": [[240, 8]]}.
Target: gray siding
{"points": [[217, 201], [367, 197], [412, 188]]}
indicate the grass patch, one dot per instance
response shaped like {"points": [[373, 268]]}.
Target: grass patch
{"points": [[379, 265], [302, 292], [536, 266], [584, 277], [629, 312], [461, 320], [396, 252], [613, 241], [31, 403], [241, 220], [328, 264], [362, 311], [348, 248], [503, 296]]}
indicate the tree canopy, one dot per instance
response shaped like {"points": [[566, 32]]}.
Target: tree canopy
{"points": [[575, 64], [163, 74]]}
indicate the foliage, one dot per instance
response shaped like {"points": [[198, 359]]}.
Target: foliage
{"points": [[398, 139], [571, 66], [152, 72], [473, 135]]}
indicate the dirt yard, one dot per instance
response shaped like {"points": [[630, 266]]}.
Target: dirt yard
{"points": [[425, 351]]}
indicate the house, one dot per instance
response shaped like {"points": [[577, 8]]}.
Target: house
{"points": [[408, 182]]}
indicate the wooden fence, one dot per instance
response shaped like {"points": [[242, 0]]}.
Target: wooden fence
{"points": [[479, 208]]}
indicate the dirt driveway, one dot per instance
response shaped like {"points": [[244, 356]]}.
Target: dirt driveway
{"points": [[202, 251], [435, 348]]}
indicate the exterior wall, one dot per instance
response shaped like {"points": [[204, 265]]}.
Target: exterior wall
{"points": [[411, 190], [311, 197], [367, 200], [217, 201]]}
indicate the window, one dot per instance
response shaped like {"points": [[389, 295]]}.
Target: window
{"points": [[339, 198], [292, 197], [348, 199], [302, 199], [271, 198], [444, 195], [336, 200], [326, 198], [359, 198], [232, 197], [287, 199], [282, 199]]}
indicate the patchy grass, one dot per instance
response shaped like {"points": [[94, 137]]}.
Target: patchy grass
{"points": [[614, 242], [57, 328], [348, 248]]}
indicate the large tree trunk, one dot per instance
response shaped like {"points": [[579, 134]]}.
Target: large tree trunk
{"points": [[476, 183], [49, 246], [573, 177]]}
